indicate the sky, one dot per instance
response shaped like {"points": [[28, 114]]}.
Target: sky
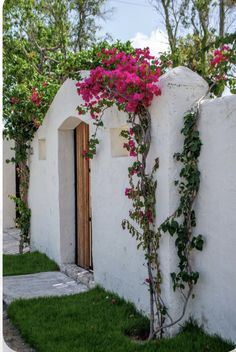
{"points": [[137, 21]]}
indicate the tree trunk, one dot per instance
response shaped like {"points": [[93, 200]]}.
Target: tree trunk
{"points": [[222, 18], [23, 173]]}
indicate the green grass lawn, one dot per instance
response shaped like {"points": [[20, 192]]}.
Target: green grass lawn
{"points": [[97, 321], [27, 263]]}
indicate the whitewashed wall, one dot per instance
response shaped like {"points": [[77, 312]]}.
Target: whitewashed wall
{"points": [[118, 266], [215, 303], [9, 185]]}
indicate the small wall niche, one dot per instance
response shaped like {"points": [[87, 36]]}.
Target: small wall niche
{"points": [[42, 149], [117, 142]]}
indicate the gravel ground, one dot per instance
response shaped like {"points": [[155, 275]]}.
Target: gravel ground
{"points": [[12, 337]]}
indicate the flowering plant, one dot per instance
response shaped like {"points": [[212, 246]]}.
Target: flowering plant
{"points": [[30, 84], [125, 80], [129, 81], [25, 108], [222, 68]]}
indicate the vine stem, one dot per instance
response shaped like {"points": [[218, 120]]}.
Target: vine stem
{"points": [[179, 318]]}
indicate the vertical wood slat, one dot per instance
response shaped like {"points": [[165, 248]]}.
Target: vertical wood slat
{"points": [[83, 195]]}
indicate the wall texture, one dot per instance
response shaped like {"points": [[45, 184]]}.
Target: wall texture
{"points": [[215, 303], [118, 266], [9, 186]]}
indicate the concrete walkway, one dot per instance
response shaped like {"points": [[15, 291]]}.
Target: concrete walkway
{"points": [[35, 285], [39, 285]]}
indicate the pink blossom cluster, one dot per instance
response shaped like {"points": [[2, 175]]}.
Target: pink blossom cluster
{"points": [[131, 147], [220, 77], [221, 55], [35, 97], [135, 169], [144, 216], [85, 154], [128, 192], [124, 79]]}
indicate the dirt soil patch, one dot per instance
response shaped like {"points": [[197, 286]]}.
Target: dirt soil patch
{"points": [[12, 337]]}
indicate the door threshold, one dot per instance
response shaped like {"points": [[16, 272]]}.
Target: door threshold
{"points": [[80, 275]]}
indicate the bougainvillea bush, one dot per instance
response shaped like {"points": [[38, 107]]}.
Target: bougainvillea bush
{"points": [[223, 68], [130, 83], [219, 69], [125, 80]]}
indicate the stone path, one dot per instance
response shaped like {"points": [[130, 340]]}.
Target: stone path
{"points": [[72, 280], [11, 239], [51, 283]]}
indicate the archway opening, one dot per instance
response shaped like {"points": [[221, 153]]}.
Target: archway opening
{"points": [[74, 194]]}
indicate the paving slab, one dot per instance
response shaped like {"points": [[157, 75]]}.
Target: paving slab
{"points": [[11, 239], [51, 283]]}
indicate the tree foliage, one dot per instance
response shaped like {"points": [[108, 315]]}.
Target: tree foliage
{"points": [[195, 29], [41, 46]]}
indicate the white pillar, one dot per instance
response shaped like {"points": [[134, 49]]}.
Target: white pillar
{"points": [[180, 88]]}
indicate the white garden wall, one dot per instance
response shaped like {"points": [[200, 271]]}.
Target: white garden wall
{"points": [[9, 185], [215, 303], [118, 266]]}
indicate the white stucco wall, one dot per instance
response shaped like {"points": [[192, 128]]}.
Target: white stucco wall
{"points": [[9, 185], [118, 266], [215, 303], [51, 190]]}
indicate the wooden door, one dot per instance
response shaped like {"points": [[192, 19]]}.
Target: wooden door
{"points": [[84, 235]]}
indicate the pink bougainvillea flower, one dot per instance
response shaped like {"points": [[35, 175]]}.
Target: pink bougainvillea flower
{"points": [[34, 96], [131, 143], [221, 55], [38, 102], [127, 79], [225, 47], [133, 153], [132, 172], [128, 191], [221, 77]]}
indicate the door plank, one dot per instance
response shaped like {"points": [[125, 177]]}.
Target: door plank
{"points": [[83, 197]]}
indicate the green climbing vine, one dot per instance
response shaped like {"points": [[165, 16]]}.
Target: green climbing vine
{"points": [[184, 220], [180, 225]]}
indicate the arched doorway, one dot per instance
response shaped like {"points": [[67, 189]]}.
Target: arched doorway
{"points": [[83, 204]]}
